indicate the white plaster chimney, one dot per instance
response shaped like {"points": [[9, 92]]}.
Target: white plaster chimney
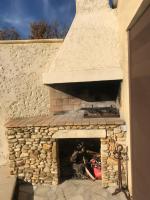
{"points": [[90, 51], [89, 5]]}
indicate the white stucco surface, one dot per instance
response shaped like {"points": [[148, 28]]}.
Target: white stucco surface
{"points": [[22, 93], [90, 51]]}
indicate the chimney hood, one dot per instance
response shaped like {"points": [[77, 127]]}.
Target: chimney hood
{"points": [[90, 51]]}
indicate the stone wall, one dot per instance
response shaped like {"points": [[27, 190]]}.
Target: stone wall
{"points": [[33, 152], [22, 92]]}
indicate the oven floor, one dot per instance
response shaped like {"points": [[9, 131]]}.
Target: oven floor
{"points": [[72, 190]]}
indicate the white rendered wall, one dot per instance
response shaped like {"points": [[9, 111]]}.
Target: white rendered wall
{"points": [[22, 92]]}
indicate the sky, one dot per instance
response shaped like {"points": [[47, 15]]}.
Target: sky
{"points": [[20, 13]]}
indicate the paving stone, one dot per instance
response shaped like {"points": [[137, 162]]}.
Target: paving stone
{"points": [[76, 190]]}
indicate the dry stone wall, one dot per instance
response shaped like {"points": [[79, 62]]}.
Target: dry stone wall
{"points": [[22, 92], [33, 153]]}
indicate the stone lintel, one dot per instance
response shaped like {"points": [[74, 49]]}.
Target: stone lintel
{"points": [[62, 134], [88, 75]]}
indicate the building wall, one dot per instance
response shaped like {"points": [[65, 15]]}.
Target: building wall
{"points": [[139, 41], [127, 11], [22, 92]]}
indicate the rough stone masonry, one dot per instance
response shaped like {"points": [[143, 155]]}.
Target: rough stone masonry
{"points": [[33, 152]]}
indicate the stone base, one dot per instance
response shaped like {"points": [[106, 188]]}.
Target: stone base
{"points": [[34, 158]]}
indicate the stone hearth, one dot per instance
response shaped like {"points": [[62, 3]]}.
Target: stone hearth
{"points": [[33, 144]]}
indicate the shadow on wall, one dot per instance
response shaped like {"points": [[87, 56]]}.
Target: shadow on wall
{"points": [[23, 191], [91, 91], [3, 139]]}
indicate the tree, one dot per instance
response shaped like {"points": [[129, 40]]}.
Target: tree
{"points": [[9, 34], [38, 30], [64, 31], [53, 30], [42, 30], [56, 31]]}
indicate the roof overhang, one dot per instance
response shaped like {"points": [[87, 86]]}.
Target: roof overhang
{"points": [[82, 76]]}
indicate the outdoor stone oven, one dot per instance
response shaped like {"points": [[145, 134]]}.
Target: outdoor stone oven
{"points": [[90, 111], [33, 146], [84, 81]]}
